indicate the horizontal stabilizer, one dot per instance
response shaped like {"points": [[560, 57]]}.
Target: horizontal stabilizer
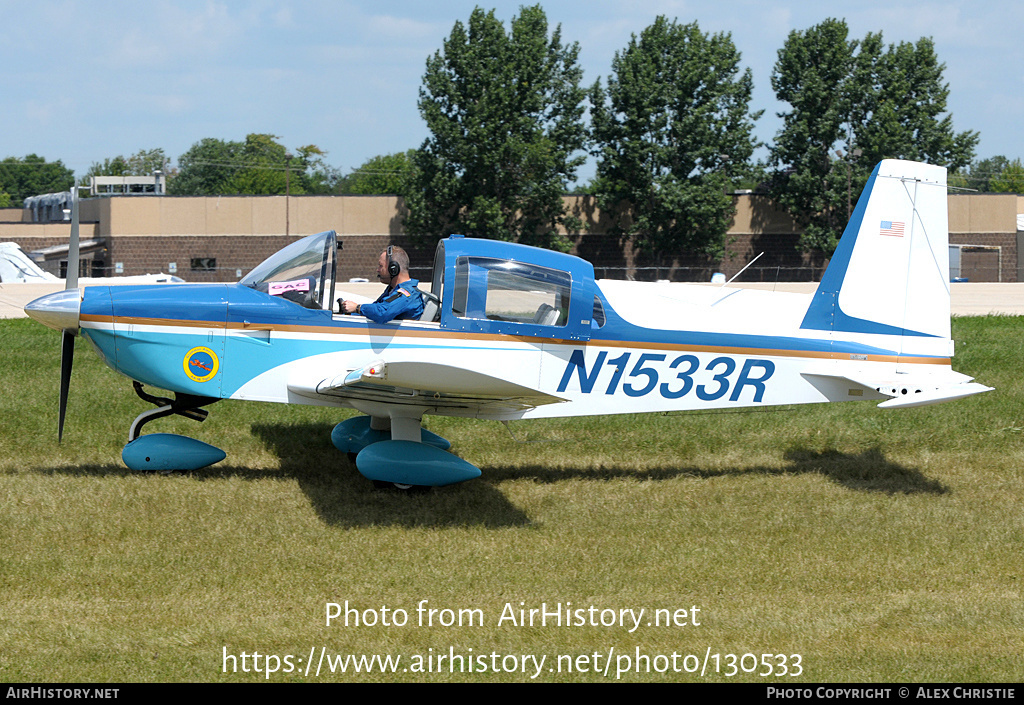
{"points": [[934, 396], [907, 392]]}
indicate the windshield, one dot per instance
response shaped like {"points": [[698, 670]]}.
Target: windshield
{"points": [[303, 272]]}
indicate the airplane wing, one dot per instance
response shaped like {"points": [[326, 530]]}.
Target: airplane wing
{"points": [[432, 384]]}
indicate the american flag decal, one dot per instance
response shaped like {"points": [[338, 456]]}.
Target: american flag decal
{"points": [[891, 228]]}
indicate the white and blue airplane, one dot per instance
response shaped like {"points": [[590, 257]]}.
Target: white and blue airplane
{"points": [[515, 332]]}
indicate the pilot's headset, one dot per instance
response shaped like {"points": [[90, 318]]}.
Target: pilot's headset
{"points": [[393, 267]]}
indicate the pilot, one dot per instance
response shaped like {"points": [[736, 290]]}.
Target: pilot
{"points": [[400, 300]]}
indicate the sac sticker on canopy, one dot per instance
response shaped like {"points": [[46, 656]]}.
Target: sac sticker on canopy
{"points": [[201, 364], [278, 288]]}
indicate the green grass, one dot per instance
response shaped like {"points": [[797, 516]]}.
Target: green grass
{"points": [[879, 545]]}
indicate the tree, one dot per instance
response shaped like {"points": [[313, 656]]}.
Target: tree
{"points": [[1010, 180], [257, 166], [142, 163], [898, 105], [117, 166], [265, 162], [811, 75], [982, 172], [383, 174], [874, 102], [33, 176], [672, 131], [505, 115], [319, 177], [205, 169]]}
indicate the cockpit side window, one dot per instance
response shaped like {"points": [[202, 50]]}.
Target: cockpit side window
{"points": [[505, 290], [598, 318]]}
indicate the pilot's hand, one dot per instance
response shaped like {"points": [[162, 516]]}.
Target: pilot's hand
{"points": [[349, 306]]}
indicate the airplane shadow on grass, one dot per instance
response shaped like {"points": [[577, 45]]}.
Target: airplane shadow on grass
{"points": [[868, 471], [344, 498]]}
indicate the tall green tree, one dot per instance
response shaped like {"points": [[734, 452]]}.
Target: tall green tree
{"points": [[811, 74], [257, 166], [383, 174], [33, 176], [505, 114], [673, 130], [898, 106], [855, 103]]}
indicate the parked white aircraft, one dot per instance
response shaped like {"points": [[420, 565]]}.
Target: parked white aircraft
{"points": [[18, 268]]}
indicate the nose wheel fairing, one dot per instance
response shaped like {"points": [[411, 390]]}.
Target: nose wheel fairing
{"points": [[163, 452], [168, 451]]}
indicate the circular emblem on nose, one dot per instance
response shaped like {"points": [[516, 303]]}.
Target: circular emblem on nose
{"points": [[201, 364]]}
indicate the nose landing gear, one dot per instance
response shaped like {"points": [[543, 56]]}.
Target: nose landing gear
{"points": [[169, 451]]}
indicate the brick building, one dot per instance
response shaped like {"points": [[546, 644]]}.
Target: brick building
{"points": [[219, 238]]}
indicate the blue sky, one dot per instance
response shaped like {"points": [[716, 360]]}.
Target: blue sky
{"points": [[85, 81]]}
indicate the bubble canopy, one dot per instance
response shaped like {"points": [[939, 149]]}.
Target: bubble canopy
{"points": [[302, 272]]}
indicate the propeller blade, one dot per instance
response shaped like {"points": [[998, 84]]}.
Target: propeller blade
{"points": [[71, 276], [67, 342], [67, 351]]}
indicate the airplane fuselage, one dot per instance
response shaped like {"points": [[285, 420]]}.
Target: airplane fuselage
{"points": [[228, 341]]}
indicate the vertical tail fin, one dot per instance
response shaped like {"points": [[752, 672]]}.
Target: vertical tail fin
{"points": [[890, 273]]}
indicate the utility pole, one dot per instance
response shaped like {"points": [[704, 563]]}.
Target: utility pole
{"points": [[287, 194]]}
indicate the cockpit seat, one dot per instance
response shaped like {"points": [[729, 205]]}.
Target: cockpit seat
{"points": [[547, 315], [431, 307]]}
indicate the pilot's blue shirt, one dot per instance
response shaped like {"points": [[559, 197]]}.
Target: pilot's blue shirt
{"points": [[404, 301]]}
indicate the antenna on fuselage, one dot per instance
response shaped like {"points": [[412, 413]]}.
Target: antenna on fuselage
{"points": [[741, 271]]}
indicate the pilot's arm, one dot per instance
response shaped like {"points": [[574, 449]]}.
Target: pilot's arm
{"points": [[402, 302]]}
